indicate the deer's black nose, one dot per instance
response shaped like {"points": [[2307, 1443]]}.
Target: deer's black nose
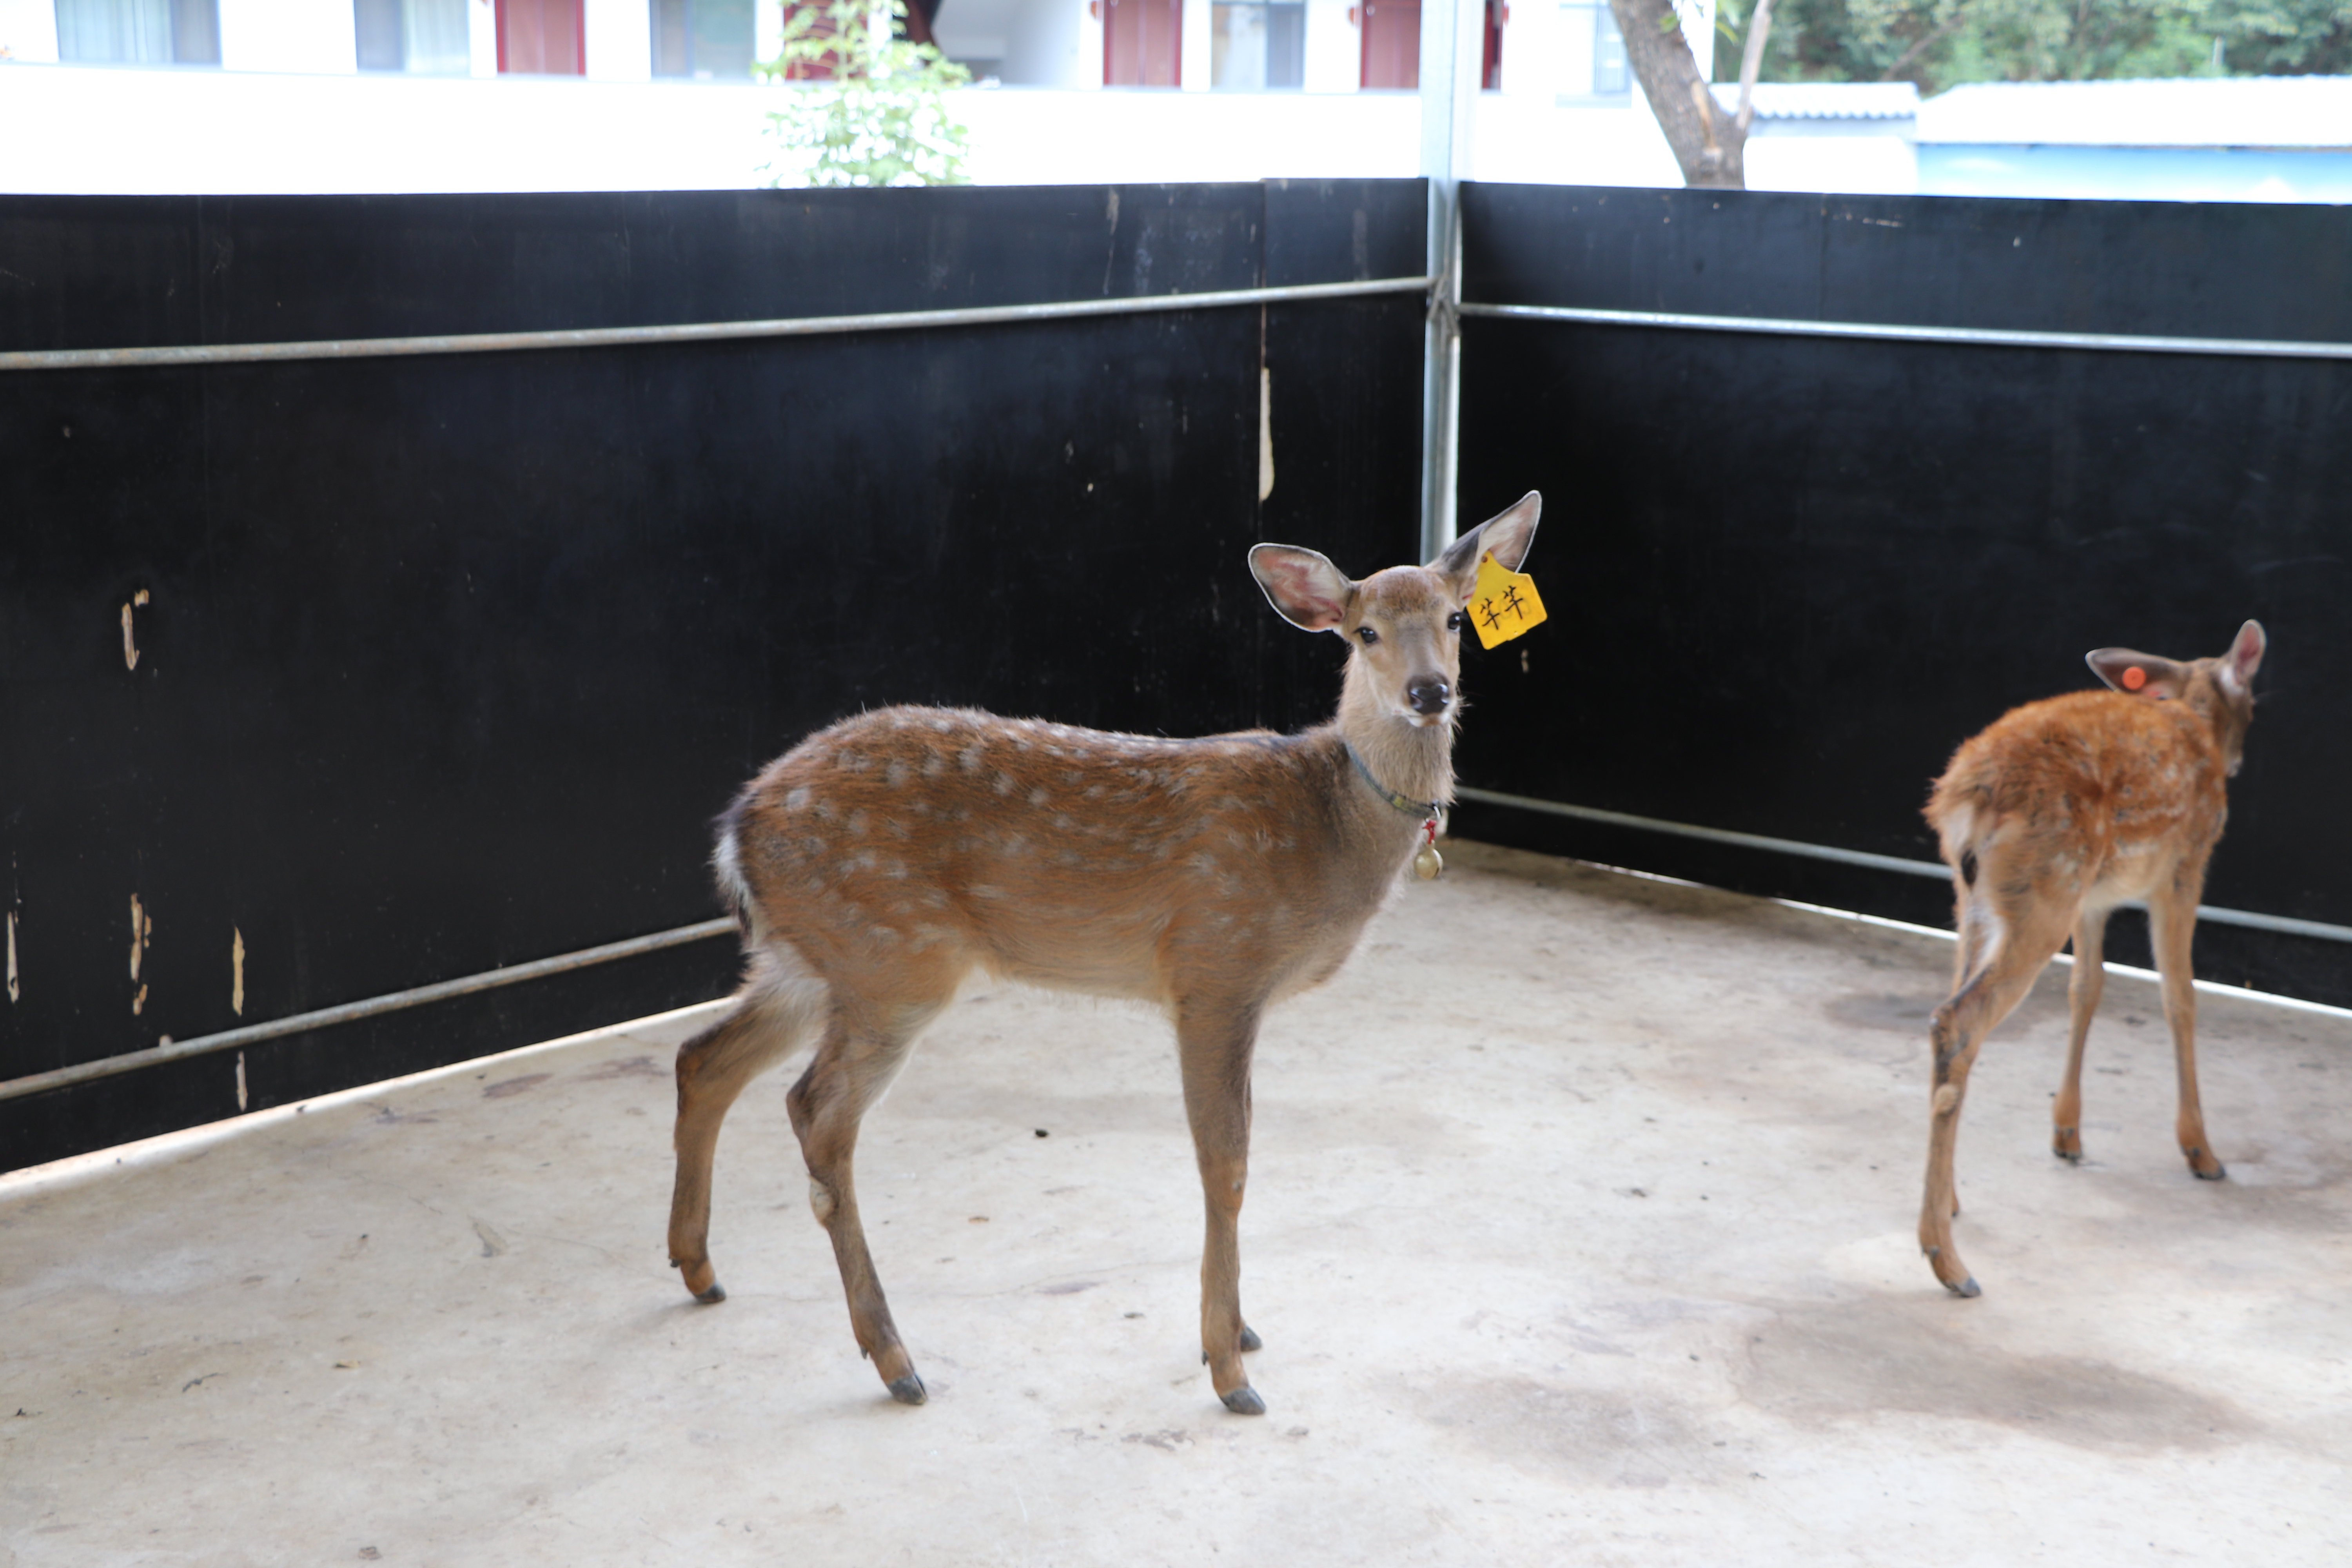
{"points": [[1428, 695]]}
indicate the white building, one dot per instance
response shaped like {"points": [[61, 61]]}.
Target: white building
{"points": [[1567, 50]]}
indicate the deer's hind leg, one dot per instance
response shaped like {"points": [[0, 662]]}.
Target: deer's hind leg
{"points": [[780, 1005], [2082, 990], [2004, 943], [866, 1043]]}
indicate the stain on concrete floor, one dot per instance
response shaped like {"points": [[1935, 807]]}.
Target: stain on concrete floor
{"points": [[1579, 1230]]}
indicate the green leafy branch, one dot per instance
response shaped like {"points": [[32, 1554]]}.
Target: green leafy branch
{"points": [[867, 106]]}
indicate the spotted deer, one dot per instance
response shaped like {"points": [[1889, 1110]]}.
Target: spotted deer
{"points": [[2050, 818], [879, 862]]}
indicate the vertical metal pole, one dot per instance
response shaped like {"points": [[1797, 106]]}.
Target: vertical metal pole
{"points": [[1452, 49]]}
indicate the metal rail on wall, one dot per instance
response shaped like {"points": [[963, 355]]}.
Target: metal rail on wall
{"points": [[2284, 925], [583, 338], [351, 1011], [696, 331], [1444, 289], [1982, 337]]}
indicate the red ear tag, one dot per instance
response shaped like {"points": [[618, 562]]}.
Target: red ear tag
{"points": [[2134, 678]]}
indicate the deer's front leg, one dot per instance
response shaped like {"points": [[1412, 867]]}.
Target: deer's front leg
{"points": [[2172, 922], [1215, 1042]]}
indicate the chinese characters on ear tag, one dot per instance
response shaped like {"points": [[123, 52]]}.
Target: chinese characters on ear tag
{"points": [[1503, 605], [1425, 861]]}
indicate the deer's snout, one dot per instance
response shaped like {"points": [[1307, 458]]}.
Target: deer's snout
{"points": [[1429, 694]]}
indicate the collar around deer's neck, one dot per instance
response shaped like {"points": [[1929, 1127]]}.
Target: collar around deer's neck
{"points": [[1424, 809]]}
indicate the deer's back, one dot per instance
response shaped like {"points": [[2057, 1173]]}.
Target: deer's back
{"points": [[1068, 857], [2093, 780]]}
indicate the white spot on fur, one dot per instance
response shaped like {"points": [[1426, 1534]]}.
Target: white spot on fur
{"points": [[796, 798]]}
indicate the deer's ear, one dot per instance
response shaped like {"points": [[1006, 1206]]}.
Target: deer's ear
{"points": [[1507, 534], [2244, 657], [1311, 592], [2137, 674]]}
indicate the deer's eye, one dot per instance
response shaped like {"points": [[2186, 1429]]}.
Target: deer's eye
{"points": [[1453, 622], [1367, 635]]}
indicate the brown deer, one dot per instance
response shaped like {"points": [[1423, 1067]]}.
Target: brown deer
{"points": [[2054, 816], [880, 861]]}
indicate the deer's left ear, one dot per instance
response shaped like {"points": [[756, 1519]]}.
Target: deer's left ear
{"points": [[2137, 674], [2244, 657], [1507, 534]]}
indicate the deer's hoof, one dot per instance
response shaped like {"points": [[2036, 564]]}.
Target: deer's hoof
{"points": [[712, 1297], [1244, 1401], [910, 1389], [1966, 1288], [701, 1281], [2068, 1145], [2198, 1160], [1250, 1341]]}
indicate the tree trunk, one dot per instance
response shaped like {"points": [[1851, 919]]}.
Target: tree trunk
{"points": [[1709, 144]]}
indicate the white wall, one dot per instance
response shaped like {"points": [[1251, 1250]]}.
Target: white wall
{"points": [[101, 130], [1534, 141], [1880, 165], [108, 129], [1335, 49], [966, 29], [620, 39], [1022, 138], [1698, 31], [1533, 44], [482, 33], [1193, 74], [1045, 45], [29, 29], [313, 35]]}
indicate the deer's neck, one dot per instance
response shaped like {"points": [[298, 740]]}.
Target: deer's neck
{"points": [[1410, 760]]}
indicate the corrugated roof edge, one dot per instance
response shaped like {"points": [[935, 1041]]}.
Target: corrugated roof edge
{"points": [[2307, 112], [1826, 99]]}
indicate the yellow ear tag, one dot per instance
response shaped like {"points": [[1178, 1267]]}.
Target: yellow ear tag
{"points": [[1503, 604]]}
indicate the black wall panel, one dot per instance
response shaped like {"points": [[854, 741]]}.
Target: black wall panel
{"points": [[1789, 575], [446, 663]]}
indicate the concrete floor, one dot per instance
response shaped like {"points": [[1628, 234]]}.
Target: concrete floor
{"points": [[1580, 1231]]}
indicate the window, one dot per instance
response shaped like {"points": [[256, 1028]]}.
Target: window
{"points": [[542, 38], [1256, 46], [1391, 44], [1595, 66], [707, 40], [140, 32], [427, 37], [1143, 43]]}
